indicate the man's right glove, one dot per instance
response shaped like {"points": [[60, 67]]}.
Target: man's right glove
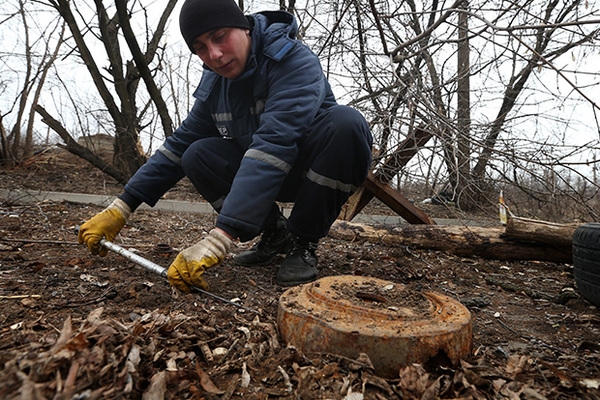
{"points": [[190, 264], [105, 224]]}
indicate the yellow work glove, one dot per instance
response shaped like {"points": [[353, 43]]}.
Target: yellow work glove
{"points": [[190, 264], [105, 224]]}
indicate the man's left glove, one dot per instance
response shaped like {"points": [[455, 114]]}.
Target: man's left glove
{"points": [[106, 224], [190, 264]]}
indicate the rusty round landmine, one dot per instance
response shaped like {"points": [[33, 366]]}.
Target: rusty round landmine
{"points": [[395, 327], [162, 249]]}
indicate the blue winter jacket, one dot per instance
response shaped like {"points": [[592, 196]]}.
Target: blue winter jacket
{"points": [[273, 103]]}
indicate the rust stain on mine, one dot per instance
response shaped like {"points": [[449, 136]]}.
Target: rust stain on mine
{"points": [[395, 327]]}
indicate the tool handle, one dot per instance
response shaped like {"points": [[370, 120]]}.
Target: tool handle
{"points": [[141, 261], [157, 269]]}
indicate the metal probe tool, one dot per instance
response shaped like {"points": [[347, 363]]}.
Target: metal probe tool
{"points": [[157, 269]]}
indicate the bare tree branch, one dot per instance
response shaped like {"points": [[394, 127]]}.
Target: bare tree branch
{"points": [[79, 150], [141, 62]]}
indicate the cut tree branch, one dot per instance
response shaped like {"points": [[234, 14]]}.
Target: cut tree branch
{"points": [[75, 148], [466, 241]]}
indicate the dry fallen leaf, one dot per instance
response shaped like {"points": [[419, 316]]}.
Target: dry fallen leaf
{"points": [[590, 383], [414, 378], [245, 377], [157, 388], [565, 380], [516, 364], [206, 383]]}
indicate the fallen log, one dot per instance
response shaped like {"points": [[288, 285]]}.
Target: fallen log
{"points": [[540, 231], [465, 241]]}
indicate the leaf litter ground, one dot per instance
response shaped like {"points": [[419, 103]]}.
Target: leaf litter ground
{"points": [[74, 326]]}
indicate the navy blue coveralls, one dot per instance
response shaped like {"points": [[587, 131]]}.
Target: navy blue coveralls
{"points": [[275, 133]]}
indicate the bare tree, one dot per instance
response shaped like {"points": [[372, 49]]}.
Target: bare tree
{"points": [[469, 72], [124, 76], [462, 173], [27, 84], [14, 146], [51, 58], [481, 82]]}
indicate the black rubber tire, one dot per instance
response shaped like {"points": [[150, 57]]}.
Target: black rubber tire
{"points": [[586, 261]]}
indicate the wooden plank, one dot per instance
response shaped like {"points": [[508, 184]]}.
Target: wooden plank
{"points": [[394, 200], [378, 180]]}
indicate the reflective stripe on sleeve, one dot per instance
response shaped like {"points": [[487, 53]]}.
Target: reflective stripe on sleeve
{"points": [[330, 183], [269, 159], [170, 155]]}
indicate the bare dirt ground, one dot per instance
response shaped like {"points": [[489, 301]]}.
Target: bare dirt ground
{"points": [[75, 326]]}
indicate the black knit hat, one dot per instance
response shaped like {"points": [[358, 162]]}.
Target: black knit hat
{"points": [[200, 16]]}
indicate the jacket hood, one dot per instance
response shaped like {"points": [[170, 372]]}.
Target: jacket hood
{"points": [[273, 33]]}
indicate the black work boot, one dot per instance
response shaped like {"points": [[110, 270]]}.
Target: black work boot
{"points": [[300, 265], [274, 240]]}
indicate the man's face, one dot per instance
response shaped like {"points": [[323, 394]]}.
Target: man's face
{"points": [[224, 50]]}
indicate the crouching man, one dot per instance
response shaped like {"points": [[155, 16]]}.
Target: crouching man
{"points": [[265, 128]]}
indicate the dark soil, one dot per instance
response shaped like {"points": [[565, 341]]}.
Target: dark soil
{"points": [[75, 326]]}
